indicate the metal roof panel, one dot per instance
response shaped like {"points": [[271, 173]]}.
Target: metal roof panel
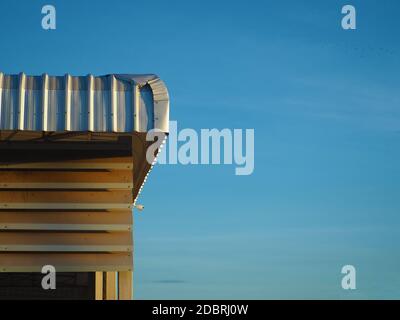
{"points": [[109, 103]]}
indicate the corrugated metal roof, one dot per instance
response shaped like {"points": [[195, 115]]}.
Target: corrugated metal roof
{"points": [[110, 103]]}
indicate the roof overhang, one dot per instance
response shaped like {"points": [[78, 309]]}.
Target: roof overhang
{"points": [[89, 109]]}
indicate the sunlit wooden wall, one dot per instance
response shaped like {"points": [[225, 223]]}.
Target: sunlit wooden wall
{"points": [[69, 204]]}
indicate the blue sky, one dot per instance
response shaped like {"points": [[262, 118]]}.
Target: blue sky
{"points": [[325, 106]]}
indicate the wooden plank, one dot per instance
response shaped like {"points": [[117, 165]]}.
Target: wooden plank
{"points": [[65, 206], [111, 286], [98, 196], [75, 136], [61, 135], [125, 285], [99, 285], [114, 176], [66, 241], [65, 160], [65, 262], [6, 135], [82, 156], [69, 165], [63, 186], [74, 221], [63, 145], [7, 178]]}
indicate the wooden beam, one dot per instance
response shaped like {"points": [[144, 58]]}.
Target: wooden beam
{"points": [[73, 221], [29, 136], [125, 285], [11, 178], [23, 156], [66, 185], [111, 286], [65, 262], [69, 165], [99, 285], [50, 196], [65, 206], [63, 145], [66, 241]]}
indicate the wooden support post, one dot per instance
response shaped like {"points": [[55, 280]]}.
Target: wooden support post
{"points": [[125, 285], [99, 285], [111, 285]]}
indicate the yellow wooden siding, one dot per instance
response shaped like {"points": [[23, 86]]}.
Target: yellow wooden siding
{"points": [[72, 210]]}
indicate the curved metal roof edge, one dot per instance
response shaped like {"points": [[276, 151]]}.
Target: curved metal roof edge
{"points": [[158, 88], [160, 96], [161, 101]]}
